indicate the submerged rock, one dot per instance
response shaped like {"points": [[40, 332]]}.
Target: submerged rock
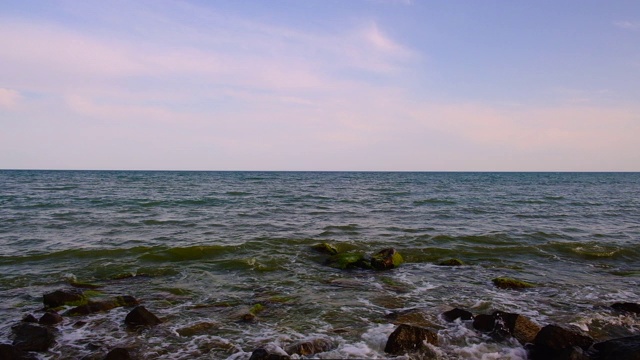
{"points": [[63, 297], [10, 352], [349, 261], [269, 354], [510, 283], [101, 306], [627, 307], [410, 339], [201, 328], [386, 259], [415, 317], [140, 316], [118, 354], [451, 262], [29, 318], [555, 342], [455, 314], [50, 318], [503, 324], [32, 337], [310, 347], [627, 348], [325, 248]]}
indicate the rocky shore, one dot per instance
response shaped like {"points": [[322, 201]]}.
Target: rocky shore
{"points": [[414, 337]]}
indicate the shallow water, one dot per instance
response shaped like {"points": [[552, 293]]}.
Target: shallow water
{"points": [[206, 246]]}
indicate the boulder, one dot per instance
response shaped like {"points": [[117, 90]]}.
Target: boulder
{"points": [[50, 318], [268, 354], [451, 262], [102, 306], [10, 352], [524, 330], [29, 318], [510, 283], [410, 339], [386, 259], [555, 342], [140, 316], [118, 354], [455, 314], [627, 307], [32, 337], [64, 297], [310, 346], [503, 324], [484, 322], [325, 248], [627, 348], [349, 261]]}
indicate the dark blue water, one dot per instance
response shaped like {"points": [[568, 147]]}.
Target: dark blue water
{"points": [[182, 241]]}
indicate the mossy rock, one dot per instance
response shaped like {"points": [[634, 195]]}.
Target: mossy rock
{"points": [[64, 297], [255, 309], [325, 248], [510, 283], [386, 259], [201, 328], [451, 262], [349, 261]]}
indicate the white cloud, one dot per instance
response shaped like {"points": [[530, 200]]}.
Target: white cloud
{"points": [[628, 25], [9, 98]]}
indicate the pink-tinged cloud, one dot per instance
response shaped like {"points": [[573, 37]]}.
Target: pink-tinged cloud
{"points": [[9, 98]]}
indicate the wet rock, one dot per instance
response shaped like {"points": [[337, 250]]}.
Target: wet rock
{"points": [[201, 328], [118, 354], [510, 283], [64, 297], [268, 354], [349, 261], [484, 322], [415, 317], [386, 259], [524, 330], [325, 248], [103, 306], [32, 337], [627, 307], [555, 342], [140, 316], [310, 347], [10, 352], [410, 339], [29, 318], [503, 324], [455, 314], [50, 318], [451, 262], [627, 348]]}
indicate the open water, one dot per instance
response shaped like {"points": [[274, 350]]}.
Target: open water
{"points": [[205, 247]]}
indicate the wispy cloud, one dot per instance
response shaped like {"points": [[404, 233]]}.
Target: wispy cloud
{"points": [[628, 25], [9, 98]]}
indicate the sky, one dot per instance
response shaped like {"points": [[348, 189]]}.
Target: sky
{"points": [[330, 85]]}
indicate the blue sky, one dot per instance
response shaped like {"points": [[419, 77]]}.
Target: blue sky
{"points": [[320, 85]]}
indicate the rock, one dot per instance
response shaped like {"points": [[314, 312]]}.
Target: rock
{"points": [[509, 283], [310, 347], [410, 339], [451, 262], [484, 322], [627, 307], [140, 316], [32, 337], [64, 297], [29, 318], [201, 328], [627, 348], [386, 259], [10, 352], [50, 318], [118, 354], [555, 342], [325, 248], [349, 261], [503, 324], [415, 317], [525, 330], [102, 306], [455, 314], [268, 354]]}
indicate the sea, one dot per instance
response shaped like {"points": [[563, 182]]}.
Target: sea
{"points": [[201, 250]]}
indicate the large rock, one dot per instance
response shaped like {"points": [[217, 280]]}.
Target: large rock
{"points": [[64, 297], [118, 354], [349, 261], [10, 352], [455, 314], [627, 307], [102, 306], [558, 343], [310, 346], [325, 248], [50, 318], [503, 324], [627, 348], [269, 354], [386, 259], [32, 337], [410, 339], [140, 316]]}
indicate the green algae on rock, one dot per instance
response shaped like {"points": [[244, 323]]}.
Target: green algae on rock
{"points": [[325, 248], [349, 261], [386, 259], [451, 262], [510, 283]]}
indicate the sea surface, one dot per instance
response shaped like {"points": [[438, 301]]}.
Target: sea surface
{"points": [[203, 248]]}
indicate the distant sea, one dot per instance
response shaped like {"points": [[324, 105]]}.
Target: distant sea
{"points": [[206, 247]]}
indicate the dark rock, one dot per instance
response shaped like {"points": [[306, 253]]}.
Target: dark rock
{"points": [[451, 262], [509, 283], [484, 322], [200, 328], [325, 248], [627, 307], [64, 297], [627, 348], [524, 330], [118, 354], [410, 339], [29, 318], [415, 317], [140, 316], [503, 324], [386, 259], [50, 318], [555, 342], [263, 354], [102, 306], [10, 352], [349, 261], [455, 314], [310, 347], [32, 337]]}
